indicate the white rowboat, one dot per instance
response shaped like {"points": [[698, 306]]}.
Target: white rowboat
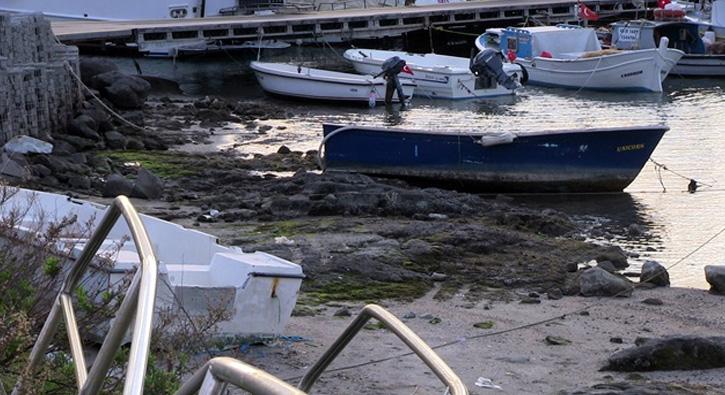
{"points": [[308, 83], [437, 76]]}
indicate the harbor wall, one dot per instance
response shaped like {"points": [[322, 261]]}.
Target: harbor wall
{"points": [[38, 93]]}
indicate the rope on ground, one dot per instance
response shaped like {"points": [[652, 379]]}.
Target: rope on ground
{"points": [[691, 187], [524, 326]]}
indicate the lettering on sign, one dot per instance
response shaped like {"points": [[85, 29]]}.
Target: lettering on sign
{"points": [[631, 147], [629, 34]]}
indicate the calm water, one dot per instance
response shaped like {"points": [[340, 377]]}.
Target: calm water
{"points": [[674, 222]]}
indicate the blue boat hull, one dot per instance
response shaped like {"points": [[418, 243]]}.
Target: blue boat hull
{"points": [[585, 160]]}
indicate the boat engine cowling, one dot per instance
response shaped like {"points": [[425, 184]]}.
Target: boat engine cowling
{"points": [[489, 63]]}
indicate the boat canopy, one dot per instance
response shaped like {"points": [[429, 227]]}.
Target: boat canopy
{"points": [[561, 41], [644, 34]]}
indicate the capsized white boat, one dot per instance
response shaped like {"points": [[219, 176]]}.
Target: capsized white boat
{"points": [[572, 57], [437, 76], [309, 83], [700, 58], [257, 290]]}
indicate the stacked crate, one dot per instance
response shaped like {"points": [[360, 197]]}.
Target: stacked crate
{"points": [[38, 93]]}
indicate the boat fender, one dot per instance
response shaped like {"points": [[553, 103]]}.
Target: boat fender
{"points": [[492, 139], [524, 74]]}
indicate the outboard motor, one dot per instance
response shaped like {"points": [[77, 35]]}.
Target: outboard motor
{"points": [[488, 63], [391, 68]]}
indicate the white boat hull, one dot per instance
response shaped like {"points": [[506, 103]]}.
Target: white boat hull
{"points": [[438, 82], [700, 65], [315, 84], [257, 290], [642, 70]]}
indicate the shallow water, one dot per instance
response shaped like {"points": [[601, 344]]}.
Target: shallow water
{"points": [[674, 222]]}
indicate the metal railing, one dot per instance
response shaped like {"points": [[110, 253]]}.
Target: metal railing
{"points": [[140, 298], [392, 323], [213, 377]]}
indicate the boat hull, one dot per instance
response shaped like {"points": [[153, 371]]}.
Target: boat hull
{"points": [[700, 65], [642, 70], [314, 84], [432, 82], [594, 160]]}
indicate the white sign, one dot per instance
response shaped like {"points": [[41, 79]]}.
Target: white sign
{"points": [[629, 34]]}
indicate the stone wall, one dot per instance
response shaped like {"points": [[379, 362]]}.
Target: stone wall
{"points": [[38, 94]]}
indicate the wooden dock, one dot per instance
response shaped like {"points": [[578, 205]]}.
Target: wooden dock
{"points": [[331, 26]]}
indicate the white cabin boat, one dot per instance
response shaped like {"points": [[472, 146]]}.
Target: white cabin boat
{"points": [[714, 22], [572, 57], [699, 59], [437, 76], [258, 290], [111, 10], [308, 83]]}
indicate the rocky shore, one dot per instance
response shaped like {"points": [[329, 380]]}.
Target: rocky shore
{"points": [[458, 257]]}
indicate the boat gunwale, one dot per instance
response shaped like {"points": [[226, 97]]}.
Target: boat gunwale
{"points": [[644, 128], [370, 81]]}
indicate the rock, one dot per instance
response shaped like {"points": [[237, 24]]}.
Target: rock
{"points": [[644, 388], [608, 266], [417, 247], [27, 145], [653, 302], [40, 170], [409, 315], [10, 167], [122, 90], [654, 273], [635, 230], [484, 325], [284, 150], [115, 140], [133, 143], [101, 116], [435, 321], [62, 147], [148, 185], [616, 340], [557, 341], [343, 312], [671, 353], [572, 267], [554, 294], [615, 255], [78, 143], [598, 282], [116, 185], [84, 126], [79, 182], [91, 67], [715, 276], [530, 300], [435, 276]]}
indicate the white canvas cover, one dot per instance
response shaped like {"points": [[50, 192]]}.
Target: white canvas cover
{"points": [[560, 41], [718, 13]]}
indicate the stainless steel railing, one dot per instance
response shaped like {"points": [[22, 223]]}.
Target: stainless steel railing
{"points": [[415, 343], [139, 298], [220, 371]]}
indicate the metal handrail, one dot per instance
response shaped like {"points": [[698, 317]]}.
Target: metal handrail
{"points": [[140, 297], [415, 343], [225, 370]]}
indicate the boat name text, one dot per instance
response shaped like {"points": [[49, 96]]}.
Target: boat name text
{"points": [[631, 147]]}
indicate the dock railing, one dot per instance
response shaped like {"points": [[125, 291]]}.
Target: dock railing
{"points": [[140, 298]]}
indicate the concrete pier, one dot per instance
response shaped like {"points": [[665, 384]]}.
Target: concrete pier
{"points": [[38, 94], [331, 26]]}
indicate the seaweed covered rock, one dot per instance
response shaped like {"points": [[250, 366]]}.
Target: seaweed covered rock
{"points": [[671, 353]]}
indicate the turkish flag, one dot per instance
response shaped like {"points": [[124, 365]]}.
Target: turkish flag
{"points": [[586, 13], [406, 69], [663, 3]]}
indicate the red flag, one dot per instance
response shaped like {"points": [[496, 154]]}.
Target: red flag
{"points": [[663, 3], [407, 69], [586, 13]]}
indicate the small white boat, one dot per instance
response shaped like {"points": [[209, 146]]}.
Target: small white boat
{"points": [[437, 76], [257, 290], [699, 59], [308, 83], [572, 57]]}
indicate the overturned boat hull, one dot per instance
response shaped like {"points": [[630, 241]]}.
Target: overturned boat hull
{"points": [[583, 160]]}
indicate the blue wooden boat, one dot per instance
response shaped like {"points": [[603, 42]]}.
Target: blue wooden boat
{"points": [[581, 160]]}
